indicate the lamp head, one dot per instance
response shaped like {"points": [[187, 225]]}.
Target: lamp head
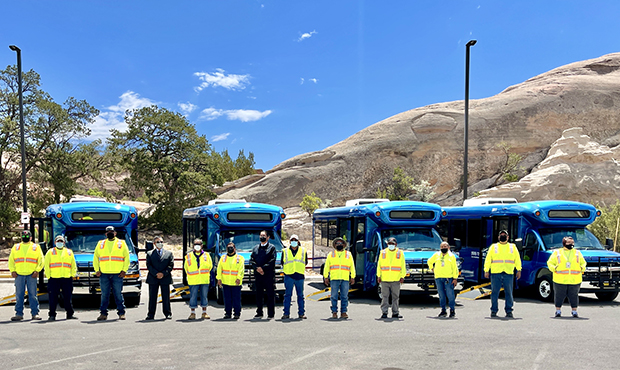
{"points": [[14, 48], [471, 42]]}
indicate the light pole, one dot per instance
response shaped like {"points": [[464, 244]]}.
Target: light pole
{"points": [[21, 124], [469, 44]]}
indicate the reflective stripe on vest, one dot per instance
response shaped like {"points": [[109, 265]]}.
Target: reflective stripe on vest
{"points": [[576, 256], [497, 248], [230, 272], [108, 259]]}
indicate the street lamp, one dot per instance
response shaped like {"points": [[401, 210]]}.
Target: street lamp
{"points": [[469, 44], [21, 124]]}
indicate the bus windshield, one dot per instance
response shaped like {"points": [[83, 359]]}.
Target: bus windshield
{"points": [[85, 241], [584, 239], [413, 239], [245, 240]]}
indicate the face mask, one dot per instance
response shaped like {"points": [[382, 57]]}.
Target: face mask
{"points": [[444, 250], [294, 243], [60, 245], [197, 247], [339, 247], [159, 245], [391, 246], [569, 246], [503, 238], [110, 235], [230, 250], [263, 239], [26, 239]]}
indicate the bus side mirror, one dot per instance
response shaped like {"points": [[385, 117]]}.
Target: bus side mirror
{"points": [[609, 244], [457, 244], [519, 243], [148, 246]]}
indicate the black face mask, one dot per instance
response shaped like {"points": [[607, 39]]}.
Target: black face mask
{"points": [[230, 250], [444, 250], [263, 239], [110, 235], [503, 238], [569, 246], [339, 247], [26, 239]]}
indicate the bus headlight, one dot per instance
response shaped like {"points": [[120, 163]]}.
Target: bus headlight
{"points": [[134, 268]]}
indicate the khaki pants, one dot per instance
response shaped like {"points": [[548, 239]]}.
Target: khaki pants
{"points": [[387, 289]]}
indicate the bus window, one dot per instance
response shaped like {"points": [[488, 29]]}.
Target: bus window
{"points": [[333, 232], [442, 229], [413, 239], [474, 234], [530, 246], [85, 241], [245, 240], [584, 239], [458, 231], [344, 229]]}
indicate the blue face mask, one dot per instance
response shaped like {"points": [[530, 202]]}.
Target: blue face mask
{"points": [[294, 243]]}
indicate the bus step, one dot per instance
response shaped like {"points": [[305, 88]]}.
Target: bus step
{"points": [[177, 291], [323, 295], [476, 292], [11, 298]]}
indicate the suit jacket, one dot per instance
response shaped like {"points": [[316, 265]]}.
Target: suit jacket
{"points": [[154, 264]]}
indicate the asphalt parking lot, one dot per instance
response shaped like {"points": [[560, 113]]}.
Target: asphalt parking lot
{"points": [[533, 340]]}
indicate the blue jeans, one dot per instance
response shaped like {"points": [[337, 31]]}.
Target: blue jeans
{"points": [[232, 299], [193, 295], [21, 281], [446, 291], [341, 286], [497, 281], [115, 283], [289, 283]]}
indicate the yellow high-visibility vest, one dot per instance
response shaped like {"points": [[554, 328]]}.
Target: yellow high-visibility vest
{"points": [[444, 265], [198, 275], [391, 265], [339, 266], [231, 268], [60, 263], [502, 258], [294, 264], [111, 256], [567, 266], [26, 258]]}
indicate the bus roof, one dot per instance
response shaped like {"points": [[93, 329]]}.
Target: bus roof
{"points": [[221, 213], [551, 212], [400, 213], [65, 210]]}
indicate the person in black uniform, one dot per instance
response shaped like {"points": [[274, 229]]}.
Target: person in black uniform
{"points": [[263, 261], [160, 263]]}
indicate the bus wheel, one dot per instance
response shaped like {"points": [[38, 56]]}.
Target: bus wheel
{"points": [[544, 288], [606, 296]]}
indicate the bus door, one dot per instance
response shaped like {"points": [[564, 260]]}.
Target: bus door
{"points": [[494, 226], [42, 233], [531, 258], [357, 244], [371, 251]]}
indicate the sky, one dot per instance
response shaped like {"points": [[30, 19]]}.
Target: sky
{"points": [[282, 78]]}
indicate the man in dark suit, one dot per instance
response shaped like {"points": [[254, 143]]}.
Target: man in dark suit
{"points": [[263, 261], [160, 263]]}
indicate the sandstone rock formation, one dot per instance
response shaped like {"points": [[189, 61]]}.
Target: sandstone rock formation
{"points": [[427, 142]]}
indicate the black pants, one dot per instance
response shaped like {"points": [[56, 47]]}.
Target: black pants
{"points": [[54, 286], [165, 298], [562, 291], [264, 283]]}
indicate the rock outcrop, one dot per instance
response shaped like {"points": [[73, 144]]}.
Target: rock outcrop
{"points": [[427, 142]]}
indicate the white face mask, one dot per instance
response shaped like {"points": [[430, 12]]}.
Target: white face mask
{"points": [[60, 245], [294, 243], [197, 247], [159, 245], [391, 246]]}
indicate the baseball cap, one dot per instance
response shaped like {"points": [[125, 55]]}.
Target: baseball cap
{"points": [[109, 228], [294, 236]]}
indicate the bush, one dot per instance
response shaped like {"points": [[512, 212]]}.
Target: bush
{"points": [[607, 225], [310, 203]]}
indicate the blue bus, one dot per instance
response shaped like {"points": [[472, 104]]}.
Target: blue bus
{"points": [[221, 222], [83, 225], [366, 228], [537, 228]]}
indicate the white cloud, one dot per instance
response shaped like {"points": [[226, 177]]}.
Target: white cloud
{"points": [[313, 80], [306, 35], [187, 108], [113, 117], [243, 115], [220, 78], [302, 81], [220, 137]]}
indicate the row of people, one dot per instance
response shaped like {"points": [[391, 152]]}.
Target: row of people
{"points": [[111, 262]]}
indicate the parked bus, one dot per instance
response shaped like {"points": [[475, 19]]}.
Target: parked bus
{"points": [[367, 227], [240, 223], [83, 225], [537, 228]]}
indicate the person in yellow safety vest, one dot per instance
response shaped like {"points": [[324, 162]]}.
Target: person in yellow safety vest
{"points": [[391, 272], [111, 262], [25, 263], [568, 266], [446, 271], [230, 271], [501, 261], [339, 272], [294, 260], [198, 265], [60, 269]]}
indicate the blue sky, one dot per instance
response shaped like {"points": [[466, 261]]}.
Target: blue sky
{"points": [[281, 78]]}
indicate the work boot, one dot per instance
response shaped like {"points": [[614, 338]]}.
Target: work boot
{"points": [[344, 315], [452, 313], [17, 318], [227, 317], [493, 314], [236, 317], [121, 317], [334, 315], [205, 316], [396, 316], [102, 317], [384, 316], [509, 315], [71, 317], [302, 317], [36, 317], [192, 316], [443, 313], [51, 318], [285, 317]]}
